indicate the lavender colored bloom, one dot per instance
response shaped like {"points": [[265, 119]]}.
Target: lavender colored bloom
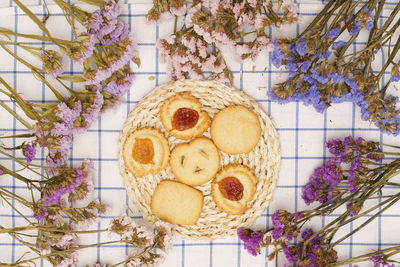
{"points": [[298, 215], [352, 84], [292, 253], [95, 21], [301, 47], [369, 25], [356, 27], [333, 33], [118, 34], [277, 54], [338, 44], [353, 212], [353, 184], [1, 171], [29, 151], [336, 77], [251, 240], [55, 196], [305, 66], [335, 147], [378, 260], [40, 214], [87, 51], [119, 89], [112, 10], [395, 78]]}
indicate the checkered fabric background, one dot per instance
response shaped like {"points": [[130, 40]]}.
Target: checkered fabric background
{"points": [[302, 133]]}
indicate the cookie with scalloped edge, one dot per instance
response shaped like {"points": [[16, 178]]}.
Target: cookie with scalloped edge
{"points": [[145, 151], [182, 116], [233, 187]]}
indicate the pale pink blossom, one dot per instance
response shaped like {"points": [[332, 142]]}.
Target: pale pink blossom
{"points": [[259, 21], [192, 10], [202, 32], [170, 39], [194, 58], [242, 49], [202, 48], [72, 260], [252, 3], [237, 8], [290, 6], [178, 11]]}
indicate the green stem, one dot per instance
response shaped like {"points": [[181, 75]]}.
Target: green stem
{"points": [[364, 257], [19, 118]]}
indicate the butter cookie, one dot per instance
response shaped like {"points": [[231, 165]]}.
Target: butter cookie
{"points": [[145, 151], [195, 163], [233, 187], [182, 116], [235, 130]]}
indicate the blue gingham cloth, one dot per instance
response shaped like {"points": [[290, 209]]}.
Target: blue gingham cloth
{"points": [[302, 134]]}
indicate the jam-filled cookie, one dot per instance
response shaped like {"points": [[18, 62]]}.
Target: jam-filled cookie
{"points": [[233, 186], [177, 203], [235, 130], [182, 116], [145, 151], [195, 163]]}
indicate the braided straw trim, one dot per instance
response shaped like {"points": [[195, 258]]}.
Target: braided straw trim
{"points": [[264, 159]]}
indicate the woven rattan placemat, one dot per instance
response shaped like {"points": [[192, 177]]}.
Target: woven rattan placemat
{"points": [[264, 159]]}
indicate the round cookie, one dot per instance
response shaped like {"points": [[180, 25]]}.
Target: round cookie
{"points": [[145, 151], [195, 163], [182, 117], [177, 203], [235, 130], [233, 186]]}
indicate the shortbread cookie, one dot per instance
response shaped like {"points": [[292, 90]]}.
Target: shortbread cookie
{"points": [[177, 203], [233, 187], [182, 116], [145, 151], [235, 130], [195, 163]]}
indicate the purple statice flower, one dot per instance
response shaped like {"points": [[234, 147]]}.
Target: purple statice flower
{"points": [[251, 240], [349, 206], [29, 151], [55, 196], [338, 44], [378, 260], [318, 77], [305, 65], [333, 33], [95, 21], [322, 185], [40, 213], [335, 147], [351, 83], [369, 25], [88, 47], [356, 27], [395, 78], [336, 77], [112, 10], [104, 73], [325, 54], [106, 29], [352, 180], [1, 171], [117, 88], [93, 112], [292, 253], [301, 47], [298, 215], [277, 55], [119, 33]]}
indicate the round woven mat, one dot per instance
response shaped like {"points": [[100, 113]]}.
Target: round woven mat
{"points": [[264, 159]]}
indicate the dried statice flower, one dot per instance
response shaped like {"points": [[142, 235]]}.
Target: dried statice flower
{"points": [[82, 49], [29, 151], [251, 240], [323, 184], [380, 261], [194, 50], [319, 74], [284, 224], [166, 9], [51, 62]]}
